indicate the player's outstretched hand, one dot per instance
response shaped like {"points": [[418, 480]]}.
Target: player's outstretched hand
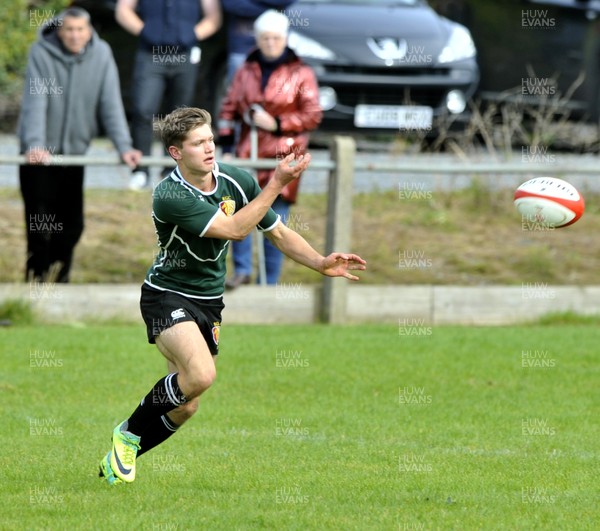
{"points": [[291, 167], [339, 265]]}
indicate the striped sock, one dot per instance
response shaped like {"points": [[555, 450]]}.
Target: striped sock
{"points": [[157, 431], [164, 396]]}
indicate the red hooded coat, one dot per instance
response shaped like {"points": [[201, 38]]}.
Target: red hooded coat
{"points": [[291, 95]]}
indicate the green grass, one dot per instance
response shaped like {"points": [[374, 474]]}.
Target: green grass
{"points": [[371, 429]]}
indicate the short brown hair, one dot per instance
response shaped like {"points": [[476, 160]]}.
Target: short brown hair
{"points": [[175, 127]]}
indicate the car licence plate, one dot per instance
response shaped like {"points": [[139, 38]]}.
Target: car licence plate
{"points": [[393, 116]]}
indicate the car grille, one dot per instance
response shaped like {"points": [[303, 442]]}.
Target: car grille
{"points": [[416, 85], [391, 95], [387, 71]]}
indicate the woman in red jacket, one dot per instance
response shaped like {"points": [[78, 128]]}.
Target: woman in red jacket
{"points": [[278, 95]]}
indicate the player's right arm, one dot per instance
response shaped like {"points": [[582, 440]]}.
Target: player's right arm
{"points": [[127, 17], [238, 226]]}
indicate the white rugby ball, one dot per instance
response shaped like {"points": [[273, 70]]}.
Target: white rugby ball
{"points": [[549, 201]]}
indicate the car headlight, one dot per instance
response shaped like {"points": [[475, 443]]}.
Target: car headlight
{"points": [[307, 47], [460, 45], [327, 98]]}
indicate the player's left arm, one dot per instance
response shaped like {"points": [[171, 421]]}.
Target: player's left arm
{"points": [[298, 249], [211, 21]]}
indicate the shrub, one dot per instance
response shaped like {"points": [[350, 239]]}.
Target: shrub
{"points": [[19, 23], [16, 312]]}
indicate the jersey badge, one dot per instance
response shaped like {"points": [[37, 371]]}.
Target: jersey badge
{"points": [[227, 206], [216, 332]]}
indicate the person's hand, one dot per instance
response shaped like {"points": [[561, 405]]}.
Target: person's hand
{"points": [[227, 156], [264, 120], [38, 156], [291, 168], [132, 157], [339, 265]]}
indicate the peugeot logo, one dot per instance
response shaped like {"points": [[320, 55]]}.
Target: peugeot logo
{"points": [[388, 48]]}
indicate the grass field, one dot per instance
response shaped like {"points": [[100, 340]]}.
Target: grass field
{"points": [[311, 427]]}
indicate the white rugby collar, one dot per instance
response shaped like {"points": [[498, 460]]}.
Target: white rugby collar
{"points": [[179, 177]]}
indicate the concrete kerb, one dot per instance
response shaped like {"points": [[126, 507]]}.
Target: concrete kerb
{"points": [[407, 306]]}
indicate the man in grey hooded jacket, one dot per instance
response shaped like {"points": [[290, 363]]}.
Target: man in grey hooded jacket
{"points": [[71, 93]]}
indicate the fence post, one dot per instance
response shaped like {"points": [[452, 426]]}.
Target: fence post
{"points": [[339, 225]]}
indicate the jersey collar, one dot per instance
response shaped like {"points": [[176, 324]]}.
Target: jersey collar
{"points": [[215, 172]]}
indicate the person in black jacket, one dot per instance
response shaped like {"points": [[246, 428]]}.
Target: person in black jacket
{"points": [[166, 62]]}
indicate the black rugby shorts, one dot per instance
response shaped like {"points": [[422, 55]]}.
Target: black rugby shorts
{"points": [[163, 309]]}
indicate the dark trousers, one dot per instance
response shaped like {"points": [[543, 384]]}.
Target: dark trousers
{"points": [[158, 77], [53, 197]]}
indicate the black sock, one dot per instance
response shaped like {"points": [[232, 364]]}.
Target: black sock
{"points": [[164, 397], [158, 430]]}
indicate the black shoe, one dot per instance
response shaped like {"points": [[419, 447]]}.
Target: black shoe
{"points": [[236, 281]]}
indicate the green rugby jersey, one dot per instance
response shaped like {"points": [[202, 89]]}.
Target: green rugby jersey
{"points": [[188, 262]]}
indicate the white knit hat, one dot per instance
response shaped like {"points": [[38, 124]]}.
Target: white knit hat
{"points": [[273, 21]]}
